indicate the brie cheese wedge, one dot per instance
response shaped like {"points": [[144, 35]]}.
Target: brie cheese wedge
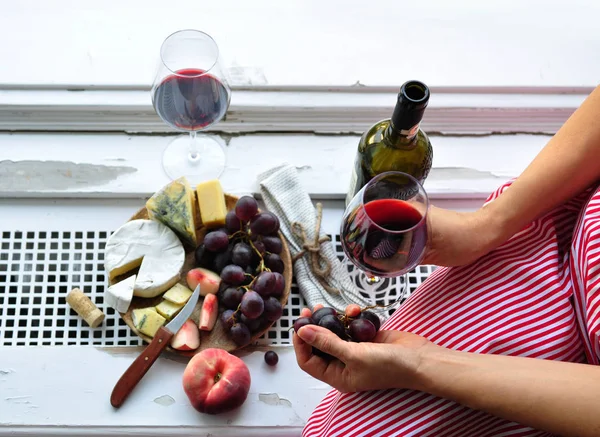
{"points": [[119, 295], [152, 247]]}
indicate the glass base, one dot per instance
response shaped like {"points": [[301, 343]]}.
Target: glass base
{"points": [[207, 163], [386, 293]]}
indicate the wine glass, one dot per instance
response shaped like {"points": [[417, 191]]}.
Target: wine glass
{"points": [[190, 93], [384, 229]]}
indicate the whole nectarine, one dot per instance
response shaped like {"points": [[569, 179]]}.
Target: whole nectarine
{"points": [[216, 381]]}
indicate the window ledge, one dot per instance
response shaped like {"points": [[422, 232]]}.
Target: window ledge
{"points": [[110, 165], [276, 109]]}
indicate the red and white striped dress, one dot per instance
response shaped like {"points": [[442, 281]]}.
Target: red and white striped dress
{"points": [[538, 295]]}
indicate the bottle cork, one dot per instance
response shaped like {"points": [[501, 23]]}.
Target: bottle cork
{"points": [[85, 307]]}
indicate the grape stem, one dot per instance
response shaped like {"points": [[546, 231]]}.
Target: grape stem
{"points": [[377, 306]]}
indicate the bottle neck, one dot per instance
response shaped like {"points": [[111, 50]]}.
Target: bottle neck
{"points": [[408, 113]]}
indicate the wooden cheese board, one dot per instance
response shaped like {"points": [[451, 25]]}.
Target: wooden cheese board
{"points": [[218, 337]]}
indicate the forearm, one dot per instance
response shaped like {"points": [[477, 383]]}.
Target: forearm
{"points": [[567, 165], [558, 397]]}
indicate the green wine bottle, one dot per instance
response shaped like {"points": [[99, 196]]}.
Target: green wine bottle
{"points": [[397, 143]]}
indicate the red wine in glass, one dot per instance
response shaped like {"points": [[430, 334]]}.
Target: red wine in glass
{"points": [[190, 93], [384, 229], [191, 99]]}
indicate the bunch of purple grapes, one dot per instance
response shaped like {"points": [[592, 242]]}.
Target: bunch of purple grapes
{"points": [[355, 325], [246, 254]]}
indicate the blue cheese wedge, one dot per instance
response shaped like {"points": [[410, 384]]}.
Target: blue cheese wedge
{"points": [[174, 206], [178, 294], [119, 295], [152, 247], [147, 321], [168, 309]]}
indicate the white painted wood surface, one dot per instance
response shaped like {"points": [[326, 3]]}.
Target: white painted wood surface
{"points": [[66, 391], [121, 165], [314, 42]]}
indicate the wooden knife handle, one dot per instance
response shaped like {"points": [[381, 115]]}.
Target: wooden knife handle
{"points": [[139, 367]]}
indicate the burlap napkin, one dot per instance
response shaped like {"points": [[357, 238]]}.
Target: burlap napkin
{"points": [[284, 196]]}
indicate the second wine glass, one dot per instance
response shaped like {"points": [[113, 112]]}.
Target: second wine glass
{"points": [[384, 228], [190, 93]]}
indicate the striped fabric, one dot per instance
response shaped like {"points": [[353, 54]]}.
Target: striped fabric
{"points": [[538, 295]]}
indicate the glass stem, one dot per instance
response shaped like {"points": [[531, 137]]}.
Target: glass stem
{"points": [[193, 146]]}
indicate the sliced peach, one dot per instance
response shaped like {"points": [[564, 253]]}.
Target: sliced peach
{"points": [[210, 311], [187, 338], [209, 281]]}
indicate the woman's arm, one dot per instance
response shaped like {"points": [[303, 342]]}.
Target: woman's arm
{"points": [[568, 164], [562, 398]]}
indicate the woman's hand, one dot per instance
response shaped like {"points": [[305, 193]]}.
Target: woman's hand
{"points": [[391, 361], [459, 238]]}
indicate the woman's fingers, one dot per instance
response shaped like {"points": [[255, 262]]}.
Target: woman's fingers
{"points": [[318, 307], [303, 351], [305, 312], [326, 341], [329, 371]]}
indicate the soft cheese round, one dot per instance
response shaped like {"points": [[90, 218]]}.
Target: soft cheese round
{"points": [[152, 247]]}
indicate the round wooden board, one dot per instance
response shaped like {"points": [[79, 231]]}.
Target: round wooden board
{"points": [[218, 337]]}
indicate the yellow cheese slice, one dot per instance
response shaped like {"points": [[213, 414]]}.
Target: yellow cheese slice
{"points": [[168, 309], [147, 321], [178, 294], [175, 207], [211, 202]]}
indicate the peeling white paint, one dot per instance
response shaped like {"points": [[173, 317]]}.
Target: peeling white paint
{"points": [[274, 399], [463, 166], [164, 400]]}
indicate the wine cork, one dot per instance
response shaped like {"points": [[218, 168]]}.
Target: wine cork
{"points": [[85, 307]]}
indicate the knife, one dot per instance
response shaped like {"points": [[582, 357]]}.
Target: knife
{"points": [[142, 364]]}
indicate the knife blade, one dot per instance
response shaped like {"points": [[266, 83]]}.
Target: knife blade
{"points": [[142, 364]]}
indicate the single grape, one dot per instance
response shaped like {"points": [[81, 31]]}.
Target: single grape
{"points": [[273, 309], [362, 330], [334, 324], [371, 317], [273, 244], [240, 334], [264, 284], [241, 255], [252, 324], [233, 274], [232, 222], [302, 321], [264, 223], [271, 358], [279, 286], [246, 208], [222, 259], [256, 258], [204, 257], [232, 297], [250, 272], [321, 312], [274, 262], [216, 241], [228, 319], [260, 246], [252, 305], [352, 310]]}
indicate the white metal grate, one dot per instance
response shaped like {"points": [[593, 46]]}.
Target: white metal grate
{"points": [[39, 268]]}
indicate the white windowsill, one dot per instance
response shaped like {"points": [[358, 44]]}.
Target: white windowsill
{"points": [[108, 165]]}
